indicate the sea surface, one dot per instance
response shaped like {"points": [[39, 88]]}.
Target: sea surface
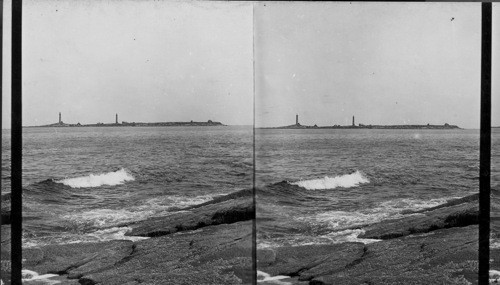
{"points": [[83, 184], [315, 185]]}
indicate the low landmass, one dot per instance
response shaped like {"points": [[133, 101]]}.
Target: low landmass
{"points": [[297, 125], [362, 126], [208, 123]]}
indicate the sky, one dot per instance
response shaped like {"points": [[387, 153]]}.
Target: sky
{"points": [[384, 63], [151, 61], [148, 61]]}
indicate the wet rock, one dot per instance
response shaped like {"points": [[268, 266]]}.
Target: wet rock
{"points": [[225, 212], [308, 261], [238, 194], [76, 259], [441, 217], [447, 256], [213, 255], [5, 254], [471, 198], [5, 239], [6, 197], [5, 209], [210, 243]]}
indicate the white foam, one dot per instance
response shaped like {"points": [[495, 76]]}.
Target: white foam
{"points": [[494, 244], [111, 178], [338, 220], [350, 236], [28, 275], [115, 233], [266, 277], [345, 181], [175, 201], [302, 240], [398, 205], [494, 276], [105, 217]]}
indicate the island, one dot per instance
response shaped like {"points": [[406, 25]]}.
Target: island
{"points": [[297, 125], [208, 123]]}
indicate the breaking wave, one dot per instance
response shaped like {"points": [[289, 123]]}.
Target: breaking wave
{"points": [[111, 178], [266, 277], [345, 181], [28, 276]]}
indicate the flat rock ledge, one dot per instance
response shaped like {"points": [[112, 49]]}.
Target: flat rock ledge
{"points": [[456, 213], [214, 255], [437, 245], [204, 244], [210, 213], [446, 256]]}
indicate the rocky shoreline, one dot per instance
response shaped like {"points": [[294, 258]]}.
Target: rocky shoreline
{"points": [[211, 243], [437, 245]]}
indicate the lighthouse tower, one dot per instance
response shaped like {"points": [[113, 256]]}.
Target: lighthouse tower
{"points": [[116, 119], [60, 122], [297, 119]]}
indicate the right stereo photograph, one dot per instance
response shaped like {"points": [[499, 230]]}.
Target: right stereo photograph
{"points": [[367, 119]]}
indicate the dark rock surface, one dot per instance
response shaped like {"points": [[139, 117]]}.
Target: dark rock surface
{"points": [[225, 212], [211, 243], [453, 214], [310, 260], [77, 259], [5, 239], [5, 209], [437, 245], [212, 255], [5, 253], [447, 256], [248, 193], [207, 244], [471, 198]]}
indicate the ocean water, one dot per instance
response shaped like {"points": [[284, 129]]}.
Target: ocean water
{"points": [[314, 186], [83, 184]]}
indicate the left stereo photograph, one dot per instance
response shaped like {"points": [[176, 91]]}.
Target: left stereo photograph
{"points": [[137, 161]]}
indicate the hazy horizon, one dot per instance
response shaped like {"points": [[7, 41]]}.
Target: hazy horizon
{"points": [[175, 61], [384, 63]]}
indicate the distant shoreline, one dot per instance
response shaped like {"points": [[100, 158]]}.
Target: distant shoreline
{"points": [[209, 123], [361, 126]]}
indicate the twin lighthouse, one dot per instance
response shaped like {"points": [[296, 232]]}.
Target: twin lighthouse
{"points": [[61, 122]]}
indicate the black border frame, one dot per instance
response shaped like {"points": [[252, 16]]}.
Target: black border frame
{"points": [[17, 144], [485, 145], [16, 130]]}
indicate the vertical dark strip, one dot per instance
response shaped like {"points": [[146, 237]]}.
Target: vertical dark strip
{"points": [[254, 224], [485, 145], [1, 87], [16, 129]]}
